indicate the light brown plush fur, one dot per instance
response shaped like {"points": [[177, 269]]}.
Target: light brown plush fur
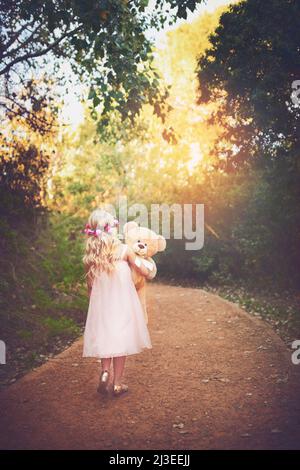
{"points": [[145, 243]]}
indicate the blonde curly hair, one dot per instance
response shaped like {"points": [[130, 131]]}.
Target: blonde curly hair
{"points": [[100, 251]]}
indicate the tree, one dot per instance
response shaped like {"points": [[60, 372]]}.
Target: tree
{"points": [[249, 69], [33, 106], [146, 154], [104, 41], [26, 139]]}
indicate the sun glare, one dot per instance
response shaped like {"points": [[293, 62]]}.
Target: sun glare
{"points": [[72, 113], [195, 154]]}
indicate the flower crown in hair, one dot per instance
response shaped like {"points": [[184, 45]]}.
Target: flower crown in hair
{"points": [[98, 232]]}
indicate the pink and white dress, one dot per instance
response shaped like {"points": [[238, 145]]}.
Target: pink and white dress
{"points": [[115, 324]]}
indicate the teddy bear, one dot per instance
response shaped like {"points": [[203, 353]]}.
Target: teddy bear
{"points": [[145, 243]]}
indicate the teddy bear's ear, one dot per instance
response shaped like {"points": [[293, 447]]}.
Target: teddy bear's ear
{"points": [[161, 243], [129, 226]]}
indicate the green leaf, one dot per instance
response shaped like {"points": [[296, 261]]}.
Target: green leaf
{"points": [[96, 101], [92, 94]]}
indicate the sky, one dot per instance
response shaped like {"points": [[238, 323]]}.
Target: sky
{"points": [[72, 112], [208, 6]]}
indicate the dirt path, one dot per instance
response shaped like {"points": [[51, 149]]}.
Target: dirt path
{"points": [[215, 378]]}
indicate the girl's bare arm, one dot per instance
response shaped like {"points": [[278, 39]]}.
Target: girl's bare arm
{"points": [[131, 258]]}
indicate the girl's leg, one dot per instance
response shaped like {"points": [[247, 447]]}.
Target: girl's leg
{"points": [[119, 364], [105, 363]]}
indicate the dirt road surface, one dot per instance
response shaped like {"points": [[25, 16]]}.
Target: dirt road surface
{"points": [[215, 378]]}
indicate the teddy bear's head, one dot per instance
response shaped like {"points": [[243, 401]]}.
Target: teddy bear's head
{"points": [[142, 240]]}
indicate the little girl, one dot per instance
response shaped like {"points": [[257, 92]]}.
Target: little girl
{"points": [[115, 325]]}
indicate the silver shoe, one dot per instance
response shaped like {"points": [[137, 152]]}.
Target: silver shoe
{"points": [[103, 382]]}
